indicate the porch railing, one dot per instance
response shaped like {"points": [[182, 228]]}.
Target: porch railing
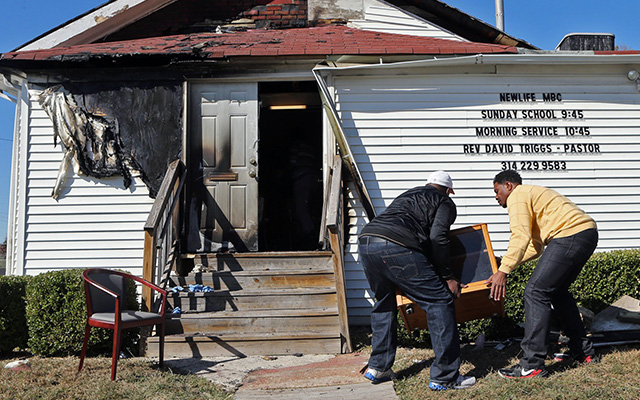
{"points": [[335, 230], [162, 230]]}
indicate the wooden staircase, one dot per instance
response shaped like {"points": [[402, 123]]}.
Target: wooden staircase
{"points": [[261, 304]]}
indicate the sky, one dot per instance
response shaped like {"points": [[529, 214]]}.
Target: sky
{"points": [[542, 23]]}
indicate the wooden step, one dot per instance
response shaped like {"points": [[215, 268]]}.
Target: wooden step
{"points": [[253, 300], [264, 261], [261, 304], [322, 321], [253, 280], [212, 345]]}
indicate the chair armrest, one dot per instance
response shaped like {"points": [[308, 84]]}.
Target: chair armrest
{"points": [[163, 293], [149, 284], [102, 288]]}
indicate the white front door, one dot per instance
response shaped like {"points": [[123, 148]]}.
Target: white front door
{"points": [[223, 158]]}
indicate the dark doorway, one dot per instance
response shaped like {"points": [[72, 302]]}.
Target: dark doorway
{"points": [[290, 177]]}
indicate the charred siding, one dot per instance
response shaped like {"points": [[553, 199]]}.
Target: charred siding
{"points": [[147, 117]]}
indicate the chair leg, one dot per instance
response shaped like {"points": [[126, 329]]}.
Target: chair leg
{"points": [[116, 353], [85, 342], [161, 349]]}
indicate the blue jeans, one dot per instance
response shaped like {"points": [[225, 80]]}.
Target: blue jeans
{"points": [[548, 287], [388, 265]]}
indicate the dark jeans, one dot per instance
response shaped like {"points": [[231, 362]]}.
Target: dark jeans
{"points": [[388, 265], [548, 287]]}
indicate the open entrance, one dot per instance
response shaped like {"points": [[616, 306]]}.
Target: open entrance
{"points": [[290, 179]]}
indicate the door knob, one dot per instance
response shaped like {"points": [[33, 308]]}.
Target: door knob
{"points": [[252, 173]]}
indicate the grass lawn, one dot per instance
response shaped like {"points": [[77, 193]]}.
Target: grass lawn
{"points": [[617, 376], [55, 378]]}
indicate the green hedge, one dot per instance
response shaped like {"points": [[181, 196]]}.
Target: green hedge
{"points": [[13, 322], [56, 315], [604, 279], [607, 277]]}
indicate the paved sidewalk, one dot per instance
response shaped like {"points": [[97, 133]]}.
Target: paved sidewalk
{"points": [[357, 391], [308, 377]]}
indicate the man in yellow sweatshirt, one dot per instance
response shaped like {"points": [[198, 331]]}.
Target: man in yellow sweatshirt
{"points": [[540, 217]]}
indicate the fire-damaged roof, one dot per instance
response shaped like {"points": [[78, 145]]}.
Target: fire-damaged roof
{"points": [[319, 41], [118, 20]]}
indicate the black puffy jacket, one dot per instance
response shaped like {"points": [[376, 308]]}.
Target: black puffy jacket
{"points": [[419, 219]]}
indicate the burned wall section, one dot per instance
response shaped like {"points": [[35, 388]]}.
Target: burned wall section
{"points": [[325, 11], [147, 117], [193, 16], [91, 143]]}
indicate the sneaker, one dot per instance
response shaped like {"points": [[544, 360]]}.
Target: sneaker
{"points": [[584, 360], [378, 376], [518, 372], [462, 382], [561, 357], [593, 359]]}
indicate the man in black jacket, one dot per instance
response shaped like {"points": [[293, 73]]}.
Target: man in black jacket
{"points": [[408, 246]]}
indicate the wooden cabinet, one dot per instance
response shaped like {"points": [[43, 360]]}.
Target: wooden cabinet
{"points": [[473, 262]]}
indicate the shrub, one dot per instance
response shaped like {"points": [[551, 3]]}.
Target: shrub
{"points": [[56, 315], [607, 277], [419, 339], [604, 279], [13, 322]]}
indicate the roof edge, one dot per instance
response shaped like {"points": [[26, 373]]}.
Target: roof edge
{"points": [[111, 15], [451, 17], [523, 58]]}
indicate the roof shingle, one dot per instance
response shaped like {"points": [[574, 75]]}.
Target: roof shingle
{"points": [[317, 41]]}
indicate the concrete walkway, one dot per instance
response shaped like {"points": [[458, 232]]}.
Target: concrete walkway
{"points": [[308, 377], [357, 391]]}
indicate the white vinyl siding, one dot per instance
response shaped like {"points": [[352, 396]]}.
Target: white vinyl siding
{"points": [[94, 223], [386, 18], [402, 127], [15, 216]]}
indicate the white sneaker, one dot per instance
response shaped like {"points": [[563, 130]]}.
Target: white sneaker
{"points": [[462, 382], [379, 376]]}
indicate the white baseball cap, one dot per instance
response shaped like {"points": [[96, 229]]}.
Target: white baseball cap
{"points": [[441, 178]]}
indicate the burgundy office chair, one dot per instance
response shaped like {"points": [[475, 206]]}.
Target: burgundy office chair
{"points": [[105, 295]]}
